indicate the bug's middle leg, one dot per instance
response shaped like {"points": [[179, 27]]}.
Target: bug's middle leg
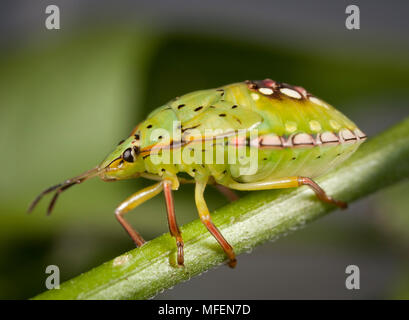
{"points": [[289, 182], [173, 226], [206, 220], [133, 201]]}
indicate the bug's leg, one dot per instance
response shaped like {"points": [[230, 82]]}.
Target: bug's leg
{"points": [[206, 220], [133, 201], [289, 182], [321, 194], [228, 193], [173, 226]]}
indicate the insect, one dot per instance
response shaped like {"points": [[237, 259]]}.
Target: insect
{"points": [[299, 137]]}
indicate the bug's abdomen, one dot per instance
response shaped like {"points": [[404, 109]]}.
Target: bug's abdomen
{"points": [[300, 134], [283, 161]]}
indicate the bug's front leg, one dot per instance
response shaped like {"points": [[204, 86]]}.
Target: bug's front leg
{"points": [[289, 182], [132, 202], [206, 220], [173, 225]]}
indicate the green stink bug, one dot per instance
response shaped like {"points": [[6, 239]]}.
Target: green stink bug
{"points": [[252, 135]]}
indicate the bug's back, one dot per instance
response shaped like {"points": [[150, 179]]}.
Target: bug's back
{"points": [[298, 134]]}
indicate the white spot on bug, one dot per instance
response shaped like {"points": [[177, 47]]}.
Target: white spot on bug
{"points": [[266, 91], [255, 96], [271, 140], [334, 124], [290, 126], [319, 102], [291, 93], [303, 139], [315, 125], [329, 137], [347, 135]]}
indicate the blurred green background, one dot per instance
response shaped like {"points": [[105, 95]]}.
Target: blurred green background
{"points": [[68, 96]]}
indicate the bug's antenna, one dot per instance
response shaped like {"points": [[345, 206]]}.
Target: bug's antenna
{"points": [[62, 187], [38, 198]]}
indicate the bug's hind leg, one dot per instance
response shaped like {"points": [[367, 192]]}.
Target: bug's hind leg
{"points": [[289, 182], [321, 194], [133, 201], [206, 220], [173, 226], [228, 193]]}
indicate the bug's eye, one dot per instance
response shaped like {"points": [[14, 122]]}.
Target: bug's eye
{"points": [[128, 156]]}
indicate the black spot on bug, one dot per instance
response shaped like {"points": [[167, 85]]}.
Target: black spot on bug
{"points": [[318, 157], [120, 142], [149, 126], [293, 158], [181, 106], [199, 108], [194, 127], [338, 154], [264, 159], [222, 115], [225, 171], [193, 170], [160, 137], [234, 107], [221, 92], [137, 137], [163, 170]]}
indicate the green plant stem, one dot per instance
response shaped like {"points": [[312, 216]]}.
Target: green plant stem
{"points": [[246, 223]]}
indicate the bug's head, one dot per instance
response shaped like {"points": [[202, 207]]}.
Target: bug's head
{"points": [[124, 162]]}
